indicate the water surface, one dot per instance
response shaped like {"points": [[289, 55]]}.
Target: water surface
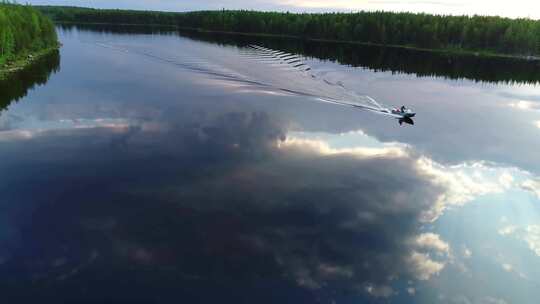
{"points": [[158, 167]]}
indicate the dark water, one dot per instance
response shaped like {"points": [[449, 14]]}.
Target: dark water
{"points": [[145, 170]]}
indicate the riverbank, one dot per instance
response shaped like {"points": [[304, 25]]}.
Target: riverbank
{"points": [[20, 63], [444, 51], [475, 35], [447, 51]]}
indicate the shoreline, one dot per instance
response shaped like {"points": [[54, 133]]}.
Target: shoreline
{"points": [[454, 52], [458, 52], [13, 66]]}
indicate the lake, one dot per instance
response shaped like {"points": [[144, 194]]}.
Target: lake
{"points": [[146, 165]]}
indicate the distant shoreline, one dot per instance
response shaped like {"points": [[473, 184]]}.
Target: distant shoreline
{"points": [[481, 36], [458, 52], [408, 47]]}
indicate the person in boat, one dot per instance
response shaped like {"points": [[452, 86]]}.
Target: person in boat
{"points": [[403, 109]]}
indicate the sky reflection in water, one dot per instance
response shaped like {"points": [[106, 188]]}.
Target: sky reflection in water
{"points": [[130, 179]]}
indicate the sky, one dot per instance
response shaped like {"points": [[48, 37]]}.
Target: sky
{"points": [[514, 9]]}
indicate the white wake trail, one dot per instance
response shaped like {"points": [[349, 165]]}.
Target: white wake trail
{"points": [[259, 66], [292, 74]]}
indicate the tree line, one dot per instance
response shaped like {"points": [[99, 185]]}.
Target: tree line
{"points": [[23, 30], [388, 59], [470, 33], [449, 65]]}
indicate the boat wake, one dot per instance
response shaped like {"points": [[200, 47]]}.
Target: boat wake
{"points": [[293, 75], [260, 66]]}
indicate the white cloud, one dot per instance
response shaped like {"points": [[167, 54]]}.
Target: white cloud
{"points": [[39, 128], [523, 105], [491, 300], [467, 253], [13, 135], [508, 230], [393, 151], [511, 269], [422, 266], [432, 241], [507, 267], [532, 186], [532, 237], [460, 186], [529, 234], [420, 263], [506, 180]]}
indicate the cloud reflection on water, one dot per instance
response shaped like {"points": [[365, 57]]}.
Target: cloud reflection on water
{"points": [[164, 187], [240, 195]]}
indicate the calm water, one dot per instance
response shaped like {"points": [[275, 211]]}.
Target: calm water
{"points": [[155, 167]]}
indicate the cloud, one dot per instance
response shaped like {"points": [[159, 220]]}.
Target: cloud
{"points": [[467, 253], [431, 241], [532, 237], [532, 186], [6, 136], [529, 234], [323, 148], [507, 267], [243, 196], [506, 180], [525, 105], [45, 128], [492, 300], [459, 183], [422, 266], [233, 196], [508, 230], [296, 209], [511, 269], [460, 187]]}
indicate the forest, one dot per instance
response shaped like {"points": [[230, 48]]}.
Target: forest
{"points": [[482, 34], [23, 31], [388, 59], [508, 70]]}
